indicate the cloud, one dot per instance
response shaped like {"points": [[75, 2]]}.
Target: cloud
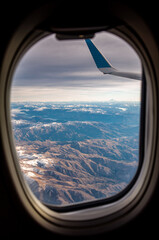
{"points": [[65, 66], [20, 122], [130, 92], [40, 108]]}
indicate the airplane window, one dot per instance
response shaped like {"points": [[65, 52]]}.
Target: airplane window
{"points": [[75, 114]]}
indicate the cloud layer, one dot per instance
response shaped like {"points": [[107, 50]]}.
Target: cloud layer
{"points": [[67, 67]]}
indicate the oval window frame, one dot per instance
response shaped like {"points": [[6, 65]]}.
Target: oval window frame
{"points": [[107, 216]]}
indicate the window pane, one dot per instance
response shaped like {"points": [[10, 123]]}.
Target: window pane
{"points": [[76, 130]]}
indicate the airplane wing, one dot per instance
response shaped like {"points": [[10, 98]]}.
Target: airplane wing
{"points": [[105, 67]]}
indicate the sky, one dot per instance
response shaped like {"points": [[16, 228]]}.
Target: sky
{"points": [[64, 71]]}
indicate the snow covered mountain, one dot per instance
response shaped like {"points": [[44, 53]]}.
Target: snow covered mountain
{"points": [[72, 153]]}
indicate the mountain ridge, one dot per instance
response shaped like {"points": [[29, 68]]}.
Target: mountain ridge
{"points": [[71, 154]]}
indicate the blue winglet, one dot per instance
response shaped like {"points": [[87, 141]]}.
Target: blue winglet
{"points": [[99, 59]]}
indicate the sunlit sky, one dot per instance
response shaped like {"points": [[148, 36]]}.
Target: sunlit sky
{"points": [[64, 71]]}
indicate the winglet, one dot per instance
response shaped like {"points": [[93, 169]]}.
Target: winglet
{"points": [[101, 62], [105, 67]]}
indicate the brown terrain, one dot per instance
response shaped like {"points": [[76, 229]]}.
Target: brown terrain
{"points": [[69, 172]]}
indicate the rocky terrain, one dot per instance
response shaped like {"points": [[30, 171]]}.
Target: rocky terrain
{"points": [[72, 154]]}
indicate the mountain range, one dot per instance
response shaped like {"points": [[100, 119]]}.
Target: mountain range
{"points": [[71, 153]]}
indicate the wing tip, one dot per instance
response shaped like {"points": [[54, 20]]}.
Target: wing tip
{"points": [[99, 59]]}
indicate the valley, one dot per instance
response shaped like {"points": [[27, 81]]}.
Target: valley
{"points": [[74, 153]]}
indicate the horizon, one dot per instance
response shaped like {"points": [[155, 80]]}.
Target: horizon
{"points": [[75, 102], [74, 152]]}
